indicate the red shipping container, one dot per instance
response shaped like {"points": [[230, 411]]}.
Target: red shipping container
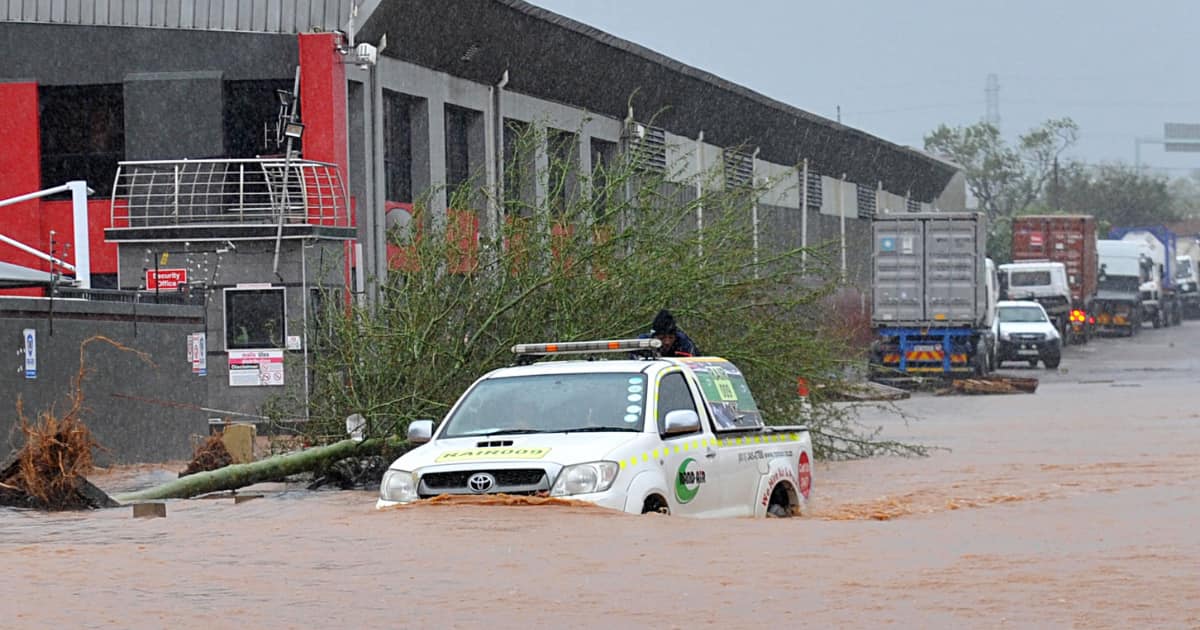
{"points": [[1068, 239]]}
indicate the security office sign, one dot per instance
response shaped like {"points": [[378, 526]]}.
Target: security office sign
{"points": [[165, 279], [30, 337]]}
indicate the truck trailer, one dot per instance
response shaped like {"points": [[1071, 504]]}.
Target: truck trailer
{"points": [[1070, 240], [934, 294], [1160, 298]]}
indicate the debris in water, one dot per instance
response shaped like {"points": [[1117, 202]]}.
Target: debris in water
{"points": [[991, 385], [210, 455], [50, 471]]}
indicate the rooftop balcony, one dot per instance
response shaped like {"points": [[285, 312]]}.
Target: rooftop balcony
{"points": [[228, 199]]}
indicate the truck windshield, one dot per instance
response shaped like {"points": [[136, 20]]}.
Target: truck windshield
{"points": [[1021, 314], [1029, 278], [1123, 284], [1183, 271], [550, 403]]}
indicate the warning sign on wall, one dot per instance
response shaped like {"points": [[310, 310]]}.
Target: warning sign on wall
{"points": [[165, 279], [198, 353], [255, 368]]}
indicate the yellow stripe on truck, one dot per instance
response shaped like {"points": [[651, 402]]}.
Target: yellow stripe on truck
{"points": [[648, 456]]}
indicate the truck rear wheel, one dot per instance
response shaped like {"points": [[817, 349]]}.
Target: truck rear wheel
{"points": [[780, 505]]}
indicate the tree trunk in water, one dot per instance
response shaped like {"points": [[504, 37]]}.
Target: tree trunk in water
{"points": [[272, 468]]}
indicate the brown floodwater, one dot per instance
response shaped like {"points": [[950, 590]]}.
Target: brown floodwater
{"points": [[1078, 506]]}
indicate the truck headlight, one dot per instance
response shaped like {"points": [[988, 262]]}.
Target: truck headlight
{"points": [[399, 486], [585, 479], [1004, 337]]}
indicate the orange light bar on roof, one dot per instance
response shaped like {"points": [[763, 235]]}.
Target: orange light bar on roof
{"points": [[587, 347]]}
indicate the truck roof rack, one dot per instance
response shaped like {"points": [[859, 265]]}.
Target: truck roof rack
{"points": [[528, 352]]}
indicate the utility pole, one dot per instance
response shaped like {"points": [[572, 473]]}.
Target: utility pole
{"points": [[1055, 201], [992, 94]]}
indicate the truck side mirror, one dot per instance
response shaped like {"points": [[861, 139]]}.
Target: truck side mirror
{"points": [[420, 431], [681, 421], [1103, 272]]}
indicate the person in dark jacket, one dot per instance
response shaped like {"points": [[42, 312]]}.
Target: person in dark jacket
{"points": [[675, 343]]}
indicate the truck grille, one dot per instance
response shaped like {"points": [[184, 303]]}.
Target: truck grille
{"points": [[1029, 337], [508, 481]]}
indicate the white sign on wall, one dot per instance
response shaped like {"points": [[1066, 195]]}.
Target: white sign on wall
{"points": [[30, 337], [198, 353], [255, 368]]}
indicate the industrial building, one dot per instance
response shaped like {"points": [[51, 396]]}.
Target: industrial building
{"points": [[170, 111]]}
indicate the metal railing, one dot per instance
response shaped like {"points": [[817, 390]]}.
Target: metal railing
{"points": [[230, 192], [193, 296]]}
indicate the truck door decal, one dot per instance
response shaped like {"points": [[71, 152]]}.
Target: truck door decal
{"points": [[687, 481]]}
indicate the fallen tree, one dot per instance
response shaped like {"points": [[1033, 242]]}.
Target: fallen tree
{"points": [[269, 469], [49, 471]]}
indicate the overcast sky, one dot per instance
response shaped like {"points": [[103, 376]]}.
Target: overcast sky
{"points": [[1120, 69]]}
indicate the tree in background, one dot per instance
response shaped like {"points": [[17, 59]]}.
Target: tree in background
{"points": [[1185, 196], [1006, 180], [1117, 195]]}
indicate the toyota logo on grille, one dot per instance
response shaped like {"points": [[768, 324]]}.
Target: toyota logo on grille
{"points": [[480, 483]]}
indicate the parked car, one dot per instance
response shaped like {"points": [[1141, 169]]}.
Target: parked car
{"points": [[676, 435], [1024, 332]]}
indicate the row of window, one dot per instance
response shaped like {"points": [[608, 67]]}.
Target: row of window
{"points": [[83, 128]]}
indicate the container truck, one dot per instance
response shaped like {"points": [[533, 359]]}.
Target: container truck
{"points": [[1070, 240], [1160, 299], [1125, 267], [934, 294], [1187, 275]]}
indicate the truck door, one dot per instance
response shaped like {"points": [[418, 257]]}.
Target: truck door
{"points": [[689, 461], [734, 417]]}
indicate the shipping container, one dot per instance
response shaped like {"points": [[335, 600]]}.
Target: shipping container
{"points": [[929, 269], [1066, 239]]}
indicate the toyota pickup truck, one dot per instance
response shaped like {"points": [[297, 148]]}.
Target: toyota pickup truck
{"points": [[637, 434]]}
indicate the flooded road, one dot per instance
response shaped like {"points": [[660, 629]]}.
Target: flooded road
{"points": [[1078, 506]]}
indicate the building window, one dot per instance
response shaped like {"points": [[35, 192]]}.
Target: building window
{"points": [[738, 168], [397, 146], [83, 134], [519, 160], [563, 152], [251, 113], [604, 176], [255, 319], [816, 191], [459, 126], [866, 202], [647, 147]]}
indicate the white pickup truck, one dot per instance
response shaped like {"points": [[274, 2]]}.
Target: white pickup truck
{"points": [[648, 434]]}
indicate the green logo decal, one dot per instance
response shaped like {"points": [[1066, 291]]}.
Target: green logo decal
{"points": [[687, 482]]}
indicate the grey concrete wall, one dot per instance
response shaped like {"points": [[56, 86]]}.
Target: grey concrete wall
{"points": [[220, 268], [174, 115], [88, 55], [126, 398]]}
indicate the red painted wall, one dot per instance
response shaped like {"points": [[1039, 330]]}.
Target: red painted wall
{"points": [[20, 169], [323, 108], [20, 173]]}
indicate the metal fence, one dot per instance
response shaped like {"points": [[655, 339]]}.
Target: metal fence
{"points": [[228, 192], [191, 295], [263, 16]]}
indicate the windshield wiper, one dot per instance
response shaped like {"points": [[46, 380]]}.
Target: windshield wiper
{"points": [[598, 430], [504, 432]]}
